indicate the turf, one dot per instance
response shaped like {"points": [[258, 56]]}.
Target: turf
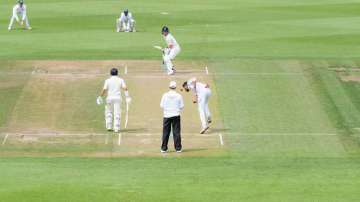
{"points": [[289, 122]]}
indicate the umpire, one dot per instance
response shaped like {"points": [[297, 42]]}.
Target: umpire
{"points": [[172, 103]]}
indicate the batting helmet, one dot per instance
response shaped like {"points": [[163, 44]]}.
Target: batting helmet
{"points": [[113, 72], [126, 11], [165, 29]]}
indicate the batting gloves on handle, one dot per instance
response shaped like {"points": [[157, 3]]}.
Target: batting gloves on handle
{"points": [[128, 100], [99, 100]]}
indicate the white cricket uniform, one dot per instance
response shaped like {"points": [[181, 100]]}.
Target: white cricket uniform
{"points": [[170, 53], [125, 23], [172, 103], [113, 85], [19, 11], [203, 94]]}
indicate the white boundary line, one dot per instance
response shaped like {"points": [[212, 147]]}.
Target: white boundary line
{"points": [[119, 139], [5, 138], [221, 139]]}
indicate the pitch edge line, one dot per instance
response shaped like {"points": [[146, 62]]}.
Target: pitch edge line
{"points": [[5, 138]]}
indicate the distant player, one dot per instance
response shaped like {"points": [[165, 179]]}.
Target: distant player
{"points": [[202, 94], [171, 51], [126, 22], [19, 10], [112, 88]]}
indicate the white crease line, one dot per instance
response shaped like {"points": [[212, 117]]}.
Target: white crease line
{"points": [[221, 139], [119, 139], [206, 70], [5, 138]]}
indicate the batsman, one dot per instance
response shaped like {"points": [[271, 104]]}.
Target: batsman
{"points": [[112, 88], [19, 10]]}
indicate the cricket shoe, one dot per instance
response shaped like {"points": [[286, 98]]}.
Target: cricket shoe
{"points": [[204, 130], [163, 151], [178, 151]]}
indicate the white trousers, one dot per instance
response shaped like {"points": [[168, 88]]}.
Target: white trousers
{"points": [[203, 106], [169, 55], [125, 25], [113, 114], [13, 18]]}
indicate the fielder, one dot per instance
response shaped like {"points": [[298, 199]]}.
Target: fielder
{"points": [[125, 23], [202, 94], [112, 88], [19, 10], [171, 51]]}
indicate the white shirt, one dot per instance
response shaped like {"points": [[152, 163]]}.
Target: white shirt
{"points": [[170, 40], [19, 10], [113, 86], [172, 103], [200, 89], [124, 18]]}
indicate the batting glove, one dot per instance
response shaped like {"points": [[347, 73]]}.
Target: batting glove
{"points": [[128, 100], [99, 100]]}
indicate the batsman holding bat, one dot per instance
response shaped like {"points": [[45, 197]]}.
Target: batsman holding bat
{"points": [[19, 10], [171, 51], [202, 94], [112, 88]]}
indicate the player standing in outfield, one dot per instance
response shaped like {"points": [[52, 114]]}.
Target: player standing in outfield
{"points": [[112, 88], [171, 51], [19, 10], [126, 22], [172, 103], [202, 94]]}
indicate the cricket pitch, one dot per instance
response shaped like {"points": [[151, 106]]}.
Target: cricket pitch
{"points": [[55, 113]]}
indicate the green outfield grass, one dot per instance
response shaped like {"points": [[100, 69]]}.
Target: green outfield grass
{"points": [[290, 119]]}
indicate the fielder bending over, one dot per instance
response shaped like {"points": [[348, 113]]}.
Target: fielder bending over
{"points": [[19, 10], [112, 88], [125, 23], [171, 51], [202, 94]]}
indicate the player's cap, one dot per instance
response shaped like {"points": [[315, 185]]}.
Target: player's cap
{"points": [[20, 1], [126, 11], [172, 84], [113, 72], [165, 29]]}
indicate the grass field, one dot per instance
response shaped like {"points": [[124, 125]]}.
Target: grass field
{"points": [[286, 81]]}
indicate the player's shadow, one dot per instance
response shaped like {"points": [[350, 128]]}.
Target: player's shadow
{"points": [[135, 130], [218, 130]]}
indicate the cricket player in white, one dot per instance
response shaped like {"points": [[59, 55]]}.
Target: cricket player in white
{"points": [[126, 22], [19, 10], [171, 51], [202, 94], [112, 88]]}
